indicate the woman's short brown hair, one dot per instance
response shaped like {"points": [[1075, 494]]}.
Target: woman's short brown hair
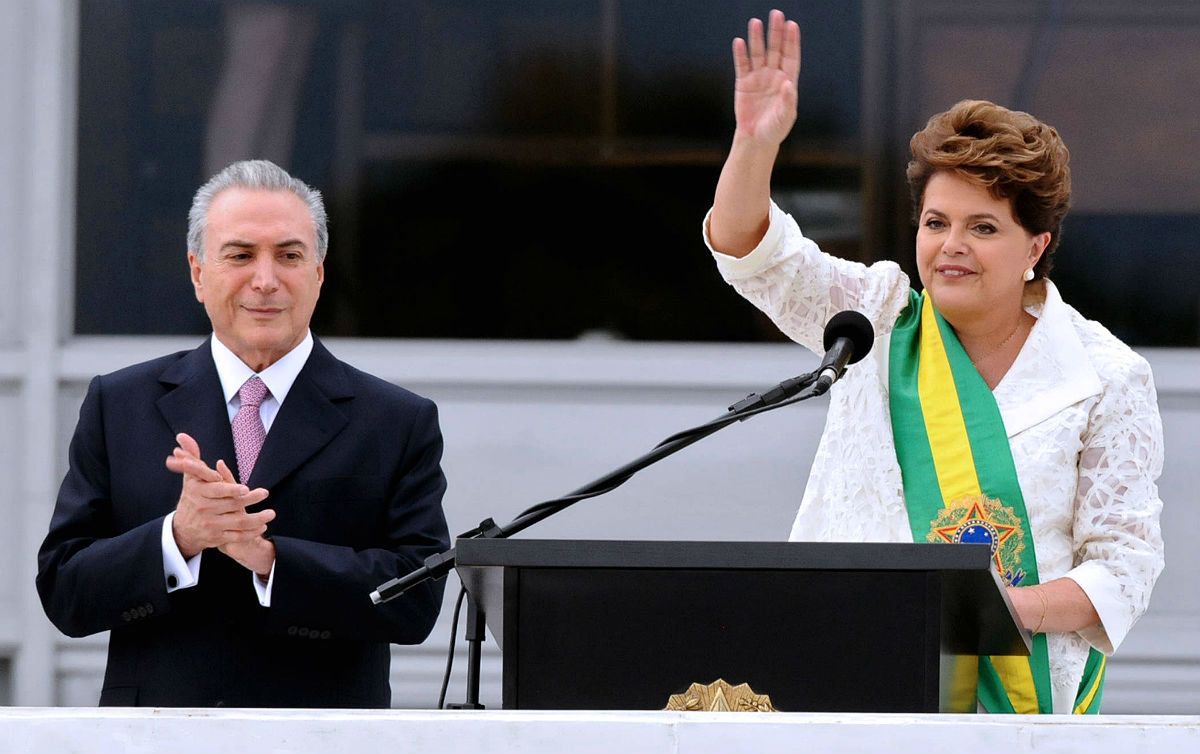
{"points": [[1010, 153]]}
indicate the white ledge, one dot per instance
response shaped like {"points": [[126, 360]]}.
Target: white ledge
{"points": [[68, 730]]}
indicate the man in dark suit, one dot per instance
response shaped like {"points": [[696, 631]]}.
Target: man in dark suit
{"points": [[238, 572]]}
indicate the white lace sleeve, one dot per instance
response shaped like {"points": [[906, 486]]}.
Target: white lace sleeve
{"points": [[1117, 539], [799, 287]]}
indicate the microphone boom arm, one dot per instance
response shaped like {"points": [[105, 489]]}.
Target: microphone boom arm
{"points": [[848, 337], [439, 565]]}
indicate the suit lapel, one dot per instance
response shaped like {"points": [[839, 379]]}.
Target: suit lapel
{"points": [[308, 419], [194, 403]]}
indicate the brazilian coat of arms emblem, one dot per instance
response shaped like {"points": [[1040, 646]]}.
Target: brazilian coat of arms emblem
{"points": [[982, 519]]}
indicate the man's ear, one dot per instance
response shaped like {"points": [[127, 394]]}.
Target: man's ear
{"points": [[197, 283]]}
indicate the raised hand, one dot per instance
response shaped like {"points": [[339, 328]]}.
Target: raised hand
{"points": [[764, 99], [211, 511]]}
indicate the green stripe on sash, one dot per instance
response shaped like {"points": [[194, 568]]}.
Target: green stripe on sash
{"points": [[1091, 689]]}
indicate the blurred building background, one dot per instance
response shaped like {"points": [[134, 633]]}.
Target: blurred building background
{"points": [[516, 190]]}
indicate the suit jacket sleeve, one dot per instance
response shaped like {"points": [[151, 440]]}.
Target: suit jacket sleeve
{"points": [[93, 573]]}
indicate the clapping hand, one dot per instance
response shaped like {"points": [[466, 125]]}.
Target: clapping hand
{"points": [[211, 511]]}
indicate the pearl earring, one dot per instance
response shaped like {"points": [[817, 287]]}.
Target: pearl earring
{"points": [[1028, 275]]}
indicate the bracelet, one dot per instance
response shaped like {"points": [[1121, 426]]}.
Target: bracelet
{"points": [[1042, 597]]}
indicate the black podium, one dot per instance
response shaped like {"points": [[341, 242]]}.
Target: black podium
{"points": [[822, 627]]}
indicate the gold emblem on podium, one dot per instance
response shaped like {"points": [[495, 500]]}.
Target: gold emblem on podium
{"points": [[719, 696]]}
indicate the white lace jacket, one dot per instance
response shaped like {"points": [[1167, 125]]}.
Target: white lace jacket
{"points": [[1079, 406]]}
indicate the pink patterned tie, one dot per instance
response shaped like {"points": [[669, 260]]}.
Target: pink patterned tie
{"points": [[248, 430]]}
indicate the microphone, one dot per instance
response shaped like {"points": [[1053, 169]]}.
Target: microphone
{"points": [[848, 338]]}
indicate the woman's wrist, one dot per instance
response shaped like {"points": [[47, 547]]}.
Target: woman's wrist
{"points": [[1045, 606], [762, 149]]}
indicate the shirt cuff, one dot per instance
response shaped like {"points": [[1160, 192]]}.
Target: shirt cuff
{"points": [[1097, 583], [264, 590], [178, 572], [732, 266]]}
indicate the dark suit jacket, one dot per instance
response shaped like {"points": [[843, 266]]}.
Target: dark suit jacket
{"points": [[352, 464]]}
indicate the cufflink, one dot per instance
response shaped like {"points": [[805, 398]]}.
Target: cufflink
{"points": [[172, 581]]}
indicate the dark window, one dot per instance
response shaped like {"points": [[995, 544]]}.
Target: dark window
{"points": [[540, 169]]}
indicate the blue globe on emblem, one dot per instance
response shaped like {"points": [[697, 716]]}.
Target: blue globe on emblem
{"points": [[977, 532]]}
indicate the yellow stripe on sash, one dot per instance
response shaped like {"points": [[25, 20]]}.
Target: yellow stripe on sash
{"points": [[1018, 682], [952, 459]]}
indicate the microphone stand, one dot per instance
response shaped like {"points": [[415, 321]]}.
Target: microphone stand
{"points": [[437, 566]]}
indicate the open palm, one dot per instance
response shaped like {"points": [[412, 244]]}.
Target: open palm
{"points": [[764, 100]]}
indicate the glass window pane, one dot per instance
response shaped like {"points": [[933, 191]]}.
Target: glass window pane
{"points": [[539, 169]]}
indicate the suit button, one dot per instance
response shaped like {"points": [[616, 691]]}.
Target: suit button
{"points": [[141, 611], [125, 616], [303, 632], [325, 634], [291, 630], [172, 581], [149, 609]]}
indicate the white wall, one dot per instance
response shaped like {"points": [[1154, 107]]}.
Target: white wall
{"points": [[526, 422], [36, 158]]}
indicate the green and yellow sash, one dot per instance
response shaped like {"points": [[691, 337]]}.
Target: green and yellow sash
{"points": [[960, 485]]}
